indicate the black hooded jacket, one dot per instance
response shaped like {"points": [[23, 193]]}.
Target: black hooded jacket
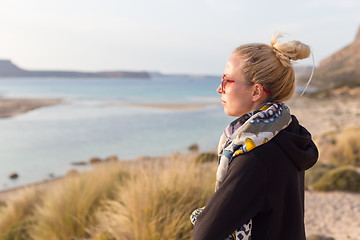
{"points": [[265, 185]]}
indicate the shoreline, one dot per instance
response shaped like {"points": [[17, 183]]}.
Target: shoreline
{"points": [[10, 107], [11, 193]]}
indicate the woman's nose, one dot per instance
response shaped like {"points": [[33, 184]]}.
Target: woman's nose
{"points": [[219, 89]]}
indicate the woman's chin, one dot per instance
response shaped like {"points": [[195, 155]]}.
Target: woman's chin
{"points": [[229, 113], [232, 113]]}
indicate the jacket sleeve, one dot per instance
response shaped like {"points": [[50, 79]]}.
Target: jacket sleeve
{"points": [[239, 198]]}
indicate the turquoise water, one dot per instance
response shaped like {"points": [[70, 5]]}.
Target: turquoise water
{"points": [[93, 121]]}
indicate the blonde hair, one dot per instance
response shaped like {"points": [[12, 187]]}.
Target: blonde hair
{"points": [[271, 65]]}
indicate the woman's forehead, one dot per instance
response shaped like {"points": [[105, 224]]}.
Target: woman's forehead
{"points": [[234, 64]]}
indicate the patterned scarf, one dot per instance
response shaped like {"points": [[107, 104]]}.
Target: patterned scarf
{"points": [[249, 131]]}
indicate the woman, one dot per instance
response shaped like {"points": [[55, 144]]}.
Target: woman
{"points": [[263, 153]]}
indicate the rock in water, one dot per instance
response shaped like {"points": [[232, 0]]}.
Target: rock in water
{"points": [[14, 175], [95, 160]]}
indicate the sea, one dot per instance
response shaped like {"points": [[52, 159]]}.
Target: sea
{"points": [[99, 117]]}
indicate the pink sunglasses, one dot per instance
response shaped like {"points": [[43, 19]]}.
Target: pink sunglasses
{"points": [[225, 80]]}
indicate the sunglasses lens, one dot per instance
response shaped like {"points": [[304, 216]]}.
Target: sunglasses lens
{"points": [[223, 84]]}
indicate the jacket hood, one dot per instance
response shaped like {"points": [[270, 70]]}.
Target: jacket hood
{"points": [[296, 142]]}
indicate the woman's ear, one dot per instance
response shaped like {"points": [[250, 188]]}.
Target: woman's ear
{"points": [[258, 93]]}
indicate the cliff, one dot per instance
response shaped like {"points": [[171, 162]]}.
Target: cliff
{"points": [[8, 69], [341, 68]]}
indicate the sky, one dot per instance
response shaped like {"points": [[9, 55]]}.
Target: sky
{"points": [[169, 36]]}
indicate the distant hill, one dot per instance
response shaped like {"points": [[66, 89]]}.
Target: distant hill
{"points": [[8, 69], [341, 68]]}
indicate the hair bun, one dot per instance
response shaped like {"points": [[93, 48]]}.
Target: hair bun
{"points": [[293, 50]]}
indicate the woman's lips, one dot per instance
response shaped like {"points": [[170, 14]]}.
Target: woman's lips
{"points": [[222, 102]]}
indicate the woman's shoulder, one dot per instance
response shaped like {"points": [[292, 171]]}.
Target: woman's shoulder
{"points": [[267, 157], [260, 152], [252, 159]]}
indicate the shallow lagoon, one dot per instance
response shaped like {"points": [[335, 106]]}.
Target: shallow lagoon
{"points": [[102, 117]]}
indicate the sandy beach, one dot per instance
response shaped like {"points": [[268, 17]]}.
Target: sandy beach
{"points": [[333, 214], [10, 107], [321, 115]]}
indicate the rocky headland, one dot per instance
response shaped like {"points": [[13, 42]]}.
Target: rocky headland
{"points": [[339, 69], [9, 69]]}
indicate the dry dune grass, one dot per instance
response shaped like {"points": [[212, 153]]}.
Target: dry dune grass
{"points": [[149, 199], [346, 149], [69, 209], [157, 200], [16, 216]]}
